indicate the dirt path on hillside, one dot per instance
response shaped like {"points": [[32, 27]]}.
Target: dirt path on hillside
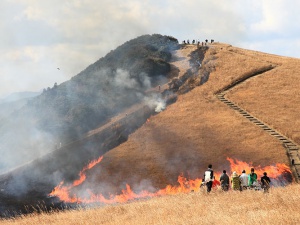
{"points": [[180, 58]]}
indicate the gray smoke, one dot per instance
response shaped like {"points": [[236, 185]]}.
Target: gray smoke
{"points": [[24, 140]]}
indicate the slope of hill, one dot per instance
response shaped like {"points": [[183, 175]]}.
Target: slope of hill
{"points": [[197, 129], [67, 111]]}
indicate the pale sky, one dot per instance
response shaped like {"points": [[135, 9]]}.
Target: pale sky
{"points": [[39, 36]]}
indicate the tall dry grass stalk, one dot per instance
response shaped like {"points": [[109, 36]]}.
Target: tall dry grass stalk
{"points": [[279, 206]]}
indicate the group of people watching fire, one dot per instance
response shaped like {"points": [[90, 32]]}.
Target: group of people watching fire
{"points": [[237, 182]]}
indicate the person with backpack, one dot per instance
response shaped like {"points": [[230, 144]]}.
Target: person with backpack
{"points": [[265, 182], [235, 181], [224, 180], [209, 177], [252, 178]]}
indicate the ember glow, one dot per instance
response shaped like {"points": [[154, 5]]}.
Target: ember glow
{"points": [[185, 185]]}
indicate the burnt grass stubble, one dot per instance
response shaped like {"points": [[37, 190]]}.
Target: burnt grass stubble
{"points": [[26, 189]]}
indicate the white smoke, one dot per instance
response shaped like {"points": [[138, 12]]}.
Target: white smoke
{"points": [[124, 80], [155, 101], [161, 105]]}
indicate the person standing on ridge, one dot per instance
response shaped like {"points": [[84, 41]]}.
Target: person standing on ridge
{"points": [[209, 177], [244, 180], [252, 178], [224, 179]]}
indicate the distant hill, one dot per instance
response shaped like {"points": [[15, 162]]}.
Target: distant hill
{"points": [[65, 112], [7, 108], [14, 102], [18, 96]]}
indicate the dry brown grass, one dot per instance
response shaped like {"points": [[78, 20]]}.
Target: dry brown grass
{"points": [[274, 97], [196, 130], [280, 206]]}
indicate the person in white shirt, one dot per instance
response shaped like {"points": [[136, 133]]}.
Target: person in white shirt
{"points": [[209, 178], [244, 180]]}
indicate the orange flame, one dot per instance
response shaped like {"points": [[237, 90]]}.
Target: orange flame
{"points": [[185, 185], [82, 176], [62, 192], [272, 171]]}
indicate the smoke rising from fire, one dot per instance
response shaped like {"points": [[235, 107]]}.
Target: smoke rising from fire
{"points": [[112, 85], [53, 136]]}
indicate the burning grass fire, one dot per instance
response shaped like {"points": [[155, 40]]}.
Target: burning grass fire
{"points": [[280, 174]]}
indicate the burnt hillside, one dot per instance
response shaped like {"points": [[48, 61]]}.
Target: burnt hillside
{"points": [[67, 111]]}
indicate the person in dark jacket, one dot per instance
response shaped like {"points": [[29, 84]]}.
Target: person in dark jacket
{"points": [[224, 179], [265, 182], [209, 177]]}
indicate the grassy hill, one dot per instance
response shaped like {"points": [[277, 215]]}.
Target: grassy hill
{"points": [[65, 112], [193, 131], [199, 129]]}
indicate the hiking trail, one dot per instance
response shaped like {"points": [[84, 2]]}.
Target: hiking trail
{"points": [[292, 149]]}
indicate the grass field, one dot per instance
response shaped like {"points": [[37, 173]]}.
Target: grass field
{"points": [[279, 206]]}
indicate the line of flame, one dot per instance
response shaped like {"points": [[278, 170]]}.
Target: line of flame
{"points": [[185, 185]]}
